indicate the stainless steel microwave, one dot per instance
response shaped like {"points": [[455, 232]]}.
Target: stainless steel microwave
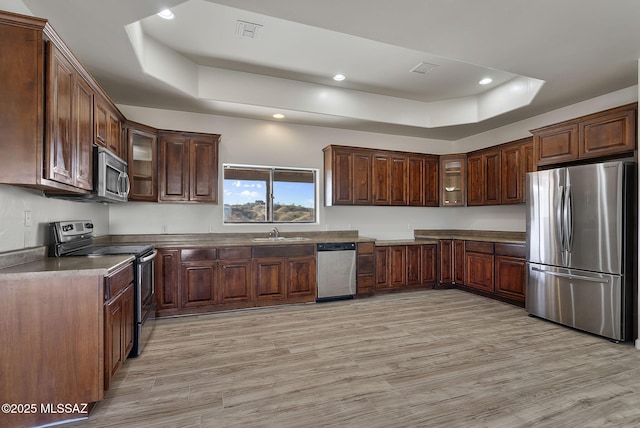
{"points": [[110, 180]]}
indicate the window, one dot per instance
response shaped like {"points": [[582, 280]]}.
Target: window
{"points": [[258, 194]]}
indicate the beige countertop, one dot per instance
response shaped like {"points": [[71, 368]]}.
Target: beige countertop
{"points": [[66, 266], [417, 241], [473, 235], [234, 239], [34, 261]]}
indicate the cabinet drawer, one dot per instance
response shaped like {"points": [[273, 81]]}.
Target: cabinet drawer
{"points": [[118, 281], [199, 254], [234, 253], [365, 264], [365, 248], [283, 250], [512, 250], [479, 247]]}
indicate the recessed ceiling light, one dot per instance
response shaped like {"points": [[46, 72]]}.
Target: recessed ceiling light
{"points": [[339, 77], [278, 116], [166, 14], [486, 81]]}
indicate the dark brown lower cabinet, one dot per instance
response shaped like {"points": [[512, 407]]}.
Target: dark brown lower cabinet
{"points": [[118, 321], [414, 276], [404, 266], [495, 270], [205, 279], [119, 325], [235, 282], [397, 266], [301, 278], [445, 257], [53, 344], [479, 270], [511, 271], [269, 279], [282, 279], [167, 277], [478, 258], [198, 285], [427, 271], [365, 268], [458, 261]]}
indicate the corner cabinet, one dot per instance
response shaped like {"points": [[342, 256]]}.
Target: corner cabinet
{"points": [[404, 266], [363, 176], [604, 134], [142, 158], [492, 269], [188, 167], [497, 175], [453, 180]]}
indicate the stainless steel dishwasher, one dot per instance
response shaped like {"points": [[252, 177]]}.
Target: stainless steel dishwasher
{"points": [[336, 271]]}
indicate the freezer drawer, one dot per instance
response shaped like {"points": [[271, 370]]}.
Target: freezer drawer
{"points": [[593, 302]]}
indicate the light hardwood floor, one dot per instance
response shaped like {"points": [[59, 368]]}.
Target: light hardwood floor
{"points": [[433, 358]]}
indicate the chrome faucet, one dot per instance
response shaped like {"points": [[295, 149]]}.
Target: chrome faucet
{"points": [[275, 233]]}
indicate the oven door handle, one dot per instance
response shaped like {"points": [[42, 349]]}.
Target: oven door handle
{"points": [[149, 257]]}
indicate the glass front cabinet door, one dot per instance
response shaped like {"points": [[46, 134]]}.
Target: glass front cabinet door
{"points": [[142, 164], [453, 178]]}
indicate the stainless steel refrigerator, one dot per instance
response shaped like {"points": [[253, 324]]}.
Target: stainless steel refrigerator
{"points": [[579, 243]]}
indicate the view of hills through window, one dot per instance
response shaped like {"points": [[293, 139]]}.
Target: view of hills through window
{"points": [[269, 195]]}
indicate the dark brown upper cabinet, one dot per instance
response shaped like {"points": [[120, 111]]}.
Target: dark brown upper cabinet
{"points": [[362, 176], [484, 177], [188, 167], [604, 134]]}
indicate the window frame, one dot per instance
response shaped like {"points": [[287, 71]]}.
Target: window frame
{"points": [[270, 197]]}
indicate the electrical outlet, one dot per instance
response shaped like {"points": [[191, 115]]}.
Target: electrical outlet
{"points": [[27, 218], [165, 228]]}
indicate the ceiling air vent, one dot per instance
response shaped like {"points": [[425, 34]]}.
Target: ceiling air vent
{"points": [[423, 68], [247, 29]]}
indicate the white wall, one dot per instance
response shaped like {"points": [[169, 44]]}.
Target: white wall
{"points": [[280, 144], [258, 142], [271, 143], [14, 201], [15, 6]]}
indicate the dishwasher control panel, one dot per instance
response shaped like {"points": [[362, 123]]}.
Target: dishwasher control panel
{"points": [[337, 246]]}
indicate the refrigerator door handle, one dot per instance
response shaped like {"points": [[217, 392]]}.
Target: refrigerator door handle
{"points": [[571, 276], [568, 219], [560, 219]]}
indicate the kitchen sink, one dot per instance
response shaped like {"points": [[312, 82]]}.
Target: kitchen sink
{"points": [[280, 239]]}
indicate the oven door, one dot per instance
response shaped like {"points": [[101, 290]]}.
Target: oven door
{"points": [[145, 302]]}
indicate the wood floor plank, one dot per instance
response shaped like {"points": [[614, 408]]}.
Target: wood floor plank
{"points": [[432, 358]]}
